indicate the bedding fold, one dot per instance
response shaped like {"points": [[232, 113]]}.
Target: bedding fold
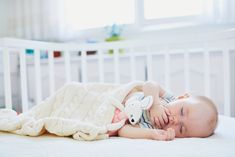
{"points": [[83, 111]]}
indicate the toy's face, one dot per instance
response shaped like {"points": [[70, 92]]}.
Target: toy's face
{"points": [[133, 111], [134, 108]]}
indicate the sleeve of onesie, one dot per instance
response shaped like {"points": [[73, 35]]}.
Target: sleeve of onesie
{"points": [[168, 97]]}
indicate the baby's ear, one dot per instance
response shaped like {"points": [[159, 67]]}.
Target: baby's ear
{"points": [[147, 102]]}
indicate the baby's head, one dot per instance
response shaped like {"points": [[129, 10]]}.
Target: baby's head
{"points": [[194, 116]]}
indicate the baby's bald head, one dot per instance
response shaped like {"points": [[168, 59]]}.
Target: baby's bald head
{"points": [[211, 116]]}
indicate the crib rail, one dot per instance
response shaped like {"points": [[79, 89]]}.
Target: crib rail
{"points": [[184, 47]]}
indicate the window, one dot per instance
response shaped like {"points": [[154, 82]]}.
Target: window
{"points": [[145, 14], [84, 14], [155, 9], [174, 13]]}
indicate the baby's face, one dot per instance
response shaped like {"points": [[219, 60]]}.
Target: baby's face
{"points": [[187, 118]]}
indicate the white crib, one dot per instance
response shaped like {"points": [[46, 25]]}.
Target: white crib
{"points": [[130, 60]]}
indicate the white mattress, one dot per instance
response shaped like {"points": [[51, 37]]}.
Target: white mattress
{"points": [[222, 143]]}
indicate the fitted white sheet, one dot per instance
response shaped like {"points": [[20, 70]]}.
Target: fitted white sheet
{"points": [[222, 143]]}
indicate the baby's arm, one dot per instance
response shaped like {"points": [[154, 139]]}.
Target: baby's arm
{"points": [[130, 131], [154, 89], [158, 113]]}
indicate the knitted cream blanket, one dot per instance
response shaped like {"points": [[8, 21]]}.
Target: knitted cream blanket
{"points": [[83, 111]]}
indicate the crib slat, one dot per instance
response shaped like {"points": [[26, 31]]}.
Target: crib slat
{"points": [[38, 83], [149, 67], [51, 71], [84, 66], [227, 85], [23, 80], [167, 70], [207, 73], [116, 66], [101, 65], [133, 64], [67, 66], [7, 78], [186, 71]]}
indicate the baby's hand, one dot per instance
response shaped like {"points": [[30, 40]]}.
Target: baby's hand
{"points": [[163, 135], [159, 115]]}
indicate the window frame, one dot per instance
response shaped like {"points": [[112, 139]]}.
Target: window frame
{"points": [[142, 22], [213, 17]]}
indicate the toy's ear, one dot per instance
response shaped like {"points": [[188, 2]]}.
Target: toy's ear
{"points": [[147, 102], [186, 95]]}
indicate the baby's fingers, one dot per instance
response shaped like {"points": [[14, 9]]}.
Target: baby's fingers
{"points": [[167, 111], [165, 118], [152, 119], [157, 122], [162, 123], [171, 133], [162, 135]]}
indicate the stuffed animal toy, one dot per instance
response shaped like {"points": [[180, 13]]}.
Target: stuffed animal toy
{"points": [[132, 110], [135, 105]]}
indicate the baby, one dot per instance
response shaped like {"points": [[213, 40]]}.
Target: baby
{"points": [[185, 116]]}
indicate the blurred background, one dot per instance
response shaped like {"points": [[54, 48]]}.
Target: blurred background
{"points": [[97, 21], [89, 20]]}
